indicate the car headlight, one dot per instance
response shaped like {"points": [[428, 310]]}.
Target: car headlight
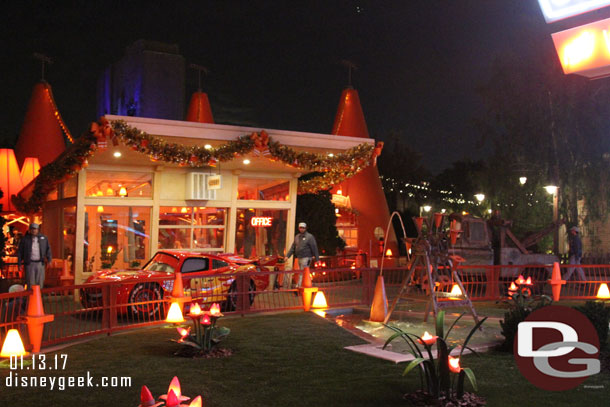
{"points": [[168, 285]]}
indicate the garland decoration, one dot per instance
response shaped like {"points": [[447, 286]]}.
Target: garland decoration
{"points": [[64, 167], [329, 170], [333, 170]]}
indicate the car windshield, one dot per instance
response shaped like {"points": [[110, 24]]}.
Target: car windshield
{"points": [[162, 262]]}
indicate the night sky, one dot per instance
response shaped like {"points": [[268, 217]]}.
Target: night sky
{"points": [[276, 64]]}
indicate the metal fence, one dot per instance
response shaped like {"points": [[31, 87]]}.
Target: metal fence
{"points": [[94, 309]]}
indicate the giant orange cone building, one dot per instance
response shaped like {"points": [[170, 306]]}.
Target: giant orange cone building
{"points": [[42, 132], [199, 109], [364, 189]]}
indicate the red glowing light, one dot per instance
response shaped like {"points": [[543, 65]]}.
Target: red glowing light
{"points": [[427, 339], [215, 310], [454, 364]]}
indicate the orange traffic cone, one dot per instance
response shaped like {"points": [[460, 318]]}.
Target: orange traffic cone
{"points": [[306, 278], [556, 282], [36, 318], [307, 289], [379, 307], [178, 291]]}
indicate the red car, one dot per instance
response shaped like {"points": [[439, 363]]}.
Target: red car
{"points": [[137, 291]]}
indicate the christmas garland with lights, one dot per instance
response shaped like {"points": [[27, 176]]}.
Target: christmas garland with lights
{"points": [[334, 169], [67, 165], [331, 170]]}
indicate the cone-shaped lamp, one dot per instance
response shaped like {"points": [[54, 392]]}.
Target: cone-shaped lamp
{"points": [[10, 178], [43, 129], [13, 346], [29, 170], [603, 292], [174, 315]]}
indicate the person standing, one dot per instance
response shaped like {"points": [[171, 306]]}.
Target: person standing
{"points": [[304, 248], [34, 252], [575, 254]]}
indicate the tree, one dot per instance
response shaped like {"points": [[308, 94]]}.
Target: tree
{"points": [[404, 180], [455, 188], [318, 212], [550, 128]]}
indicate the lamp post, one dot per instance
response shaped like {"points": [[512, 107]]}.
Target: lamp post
{"points": [[552, 189]]}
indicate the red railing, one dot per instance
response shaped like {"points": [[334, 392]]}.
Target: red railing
{"points": [[94, 309]]}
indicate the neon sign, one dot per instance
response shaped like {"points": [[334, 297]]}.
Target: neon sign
{"points": [[585, 50], [258, 221], [555, 10]]}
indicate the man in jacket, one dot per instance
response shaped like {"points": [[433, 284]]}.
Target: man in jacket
{"points": [[304, 248], [575, 254], [34, 252]]}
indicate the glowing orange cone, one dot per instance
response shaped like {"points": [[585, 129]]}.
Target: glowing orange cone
{"points": [[453, 234], [419, 223], [178, 289], [36, 318], [438, 218], [556, 282], [307, 290], [603, 293], [379, 307], [306, 278]]}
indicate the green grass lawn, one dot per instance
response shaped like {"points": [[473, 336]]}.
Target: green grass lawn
{"points": [[291, 359]]}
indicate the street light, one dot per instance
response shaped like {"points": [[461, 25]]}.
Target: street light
{"points": [[427, 208], [480, 197], [552, 190], [522, 180]]}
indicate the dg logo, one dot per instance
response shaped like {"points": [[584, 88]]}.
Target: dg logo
{"points": [[557, 348]]}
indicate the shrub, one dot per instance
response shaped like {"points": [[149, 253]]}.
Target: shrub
{"points": [[523, 304], [435, 373], [599, 315]]}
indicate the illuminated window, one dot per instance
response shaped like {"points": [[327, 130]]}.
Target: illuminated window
{"points": [[192, 227], [262, 189], [349, 235], [107, 184], [261, 239], [69, 188], [347, 226], [117, 237]]}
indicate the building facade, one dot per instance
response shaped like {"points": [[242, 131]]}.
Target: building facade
{"points": [[126, 203]]}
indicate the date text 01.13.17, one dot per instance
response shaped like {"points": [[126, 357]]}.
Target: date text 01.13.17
{"points": [[39, 362]]}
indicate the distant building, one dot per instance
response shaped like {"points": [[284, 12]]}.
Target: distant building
{"points": [[147, 82]]}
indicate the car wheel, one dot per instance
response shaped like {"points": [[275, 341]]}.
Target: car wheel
{"points": [[230, 304], [140, 298], [91, 297]]}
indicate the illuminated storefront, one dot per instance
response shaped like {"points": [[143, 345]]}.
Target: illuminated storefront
{"points": [[124, 205]]}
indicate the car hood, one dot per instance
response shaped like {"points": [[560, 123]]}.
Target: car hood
{"points": [[125, 275]]}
